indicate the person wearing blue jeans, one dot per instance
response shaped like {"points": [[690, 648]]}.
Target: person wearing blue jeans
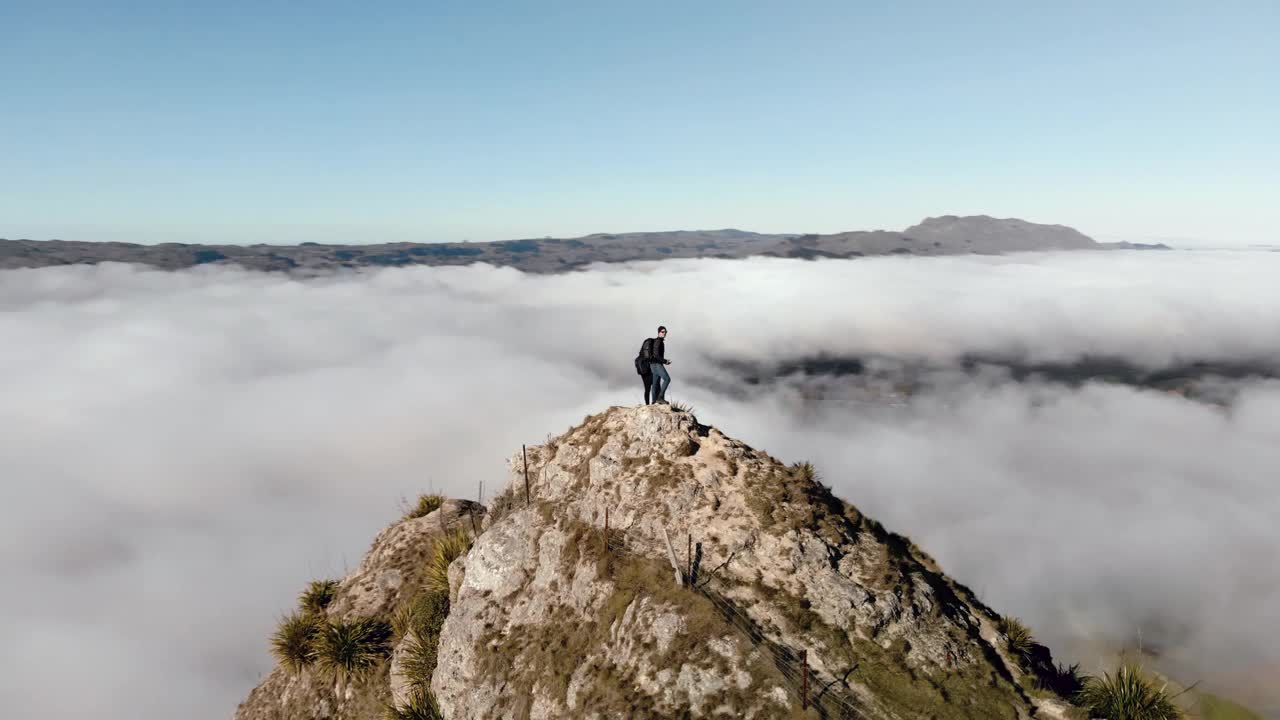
{"points": [[657, 355]]}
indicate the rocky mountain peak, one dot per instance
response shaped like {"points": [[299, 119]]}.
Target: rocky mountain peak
{"points": [[986, 234], [659, 568]]}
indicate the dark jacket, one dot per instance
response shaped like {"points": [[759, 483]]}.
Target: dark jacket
{"points": [[657, 350]]}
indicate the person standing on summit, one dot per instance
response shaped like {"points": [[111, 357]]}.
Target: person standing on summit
{"points": [[655, 351]]}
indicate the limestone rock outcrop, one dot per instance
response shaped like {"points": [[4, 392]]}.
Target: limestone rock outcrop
{"points": [[661, 569]]}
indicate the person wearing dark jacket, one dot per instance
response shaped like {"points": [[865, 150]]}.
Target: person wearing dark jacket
{"points": [[657, 356]]}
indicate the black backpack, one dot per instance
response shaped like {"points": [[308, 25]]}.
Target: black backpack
{"points": [[642, 360]]}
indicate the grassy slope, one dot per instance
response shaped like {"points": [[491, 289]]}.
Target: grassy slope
{"points": [[1212, 707]]}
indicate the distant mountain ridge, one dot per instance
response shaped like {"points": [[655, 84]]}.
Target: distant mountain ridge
{"points": [[944, 235]]}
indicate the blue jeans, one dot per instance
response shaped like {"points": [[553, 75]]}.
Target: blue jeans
{"points": [[660, 381]]}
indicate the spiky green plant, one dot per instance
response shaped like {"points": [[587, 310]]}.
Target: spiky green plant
{"points": [[1017, 638], [427, 503], [422, 705], [352, 647], [402, 621], [318, 595], [294, 642], [806, 471], [683, 407], [445, 551], [423, 615], [425, 618], [1127, 695], [1065, 680], [418, 663]]}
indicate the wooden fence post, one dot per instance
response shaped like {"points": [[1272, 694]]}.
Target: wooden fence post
{"points": [[689, 560], [675, 564], [524, 453], [697, 564], [804, 679]]}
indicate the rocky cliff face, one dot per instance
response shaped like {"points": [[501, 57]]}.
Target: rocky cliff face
{"points": [[390, 575], [784, 597]]}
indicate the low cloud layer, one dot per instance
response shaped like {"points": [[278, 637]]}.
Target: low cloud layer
{"points": [[183, 451]]}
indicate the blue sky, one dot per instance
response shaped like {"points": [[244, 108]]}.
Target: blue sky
{"points": [[420, 121]]}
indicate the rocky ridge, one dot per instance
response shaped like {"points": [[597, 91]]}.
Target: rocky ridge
{"points": [[788, 594]]}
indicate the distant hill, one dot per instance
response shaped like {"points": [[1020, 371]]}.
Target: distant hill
{"points": [[988, 234], [946, 235], [1126, 245]]}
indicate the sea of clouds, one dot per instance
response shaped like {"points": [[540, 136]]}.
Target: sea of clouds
{"points": [[180, 452]]}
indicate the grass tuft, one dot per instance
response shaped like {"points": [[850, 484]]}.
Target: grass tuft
{"points": [[445, 551], [1127, 695], [421, 706], [683, 408], [318, 595], [353, 647], [1017, 638], [294, 642], [427, 503], [422, 622], [423, 651], [1065, 680], [807, 471], [424, 615]]}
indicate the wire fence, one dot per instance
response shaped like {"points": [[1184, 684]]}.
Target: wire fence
{"points": [[829, 697]]}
